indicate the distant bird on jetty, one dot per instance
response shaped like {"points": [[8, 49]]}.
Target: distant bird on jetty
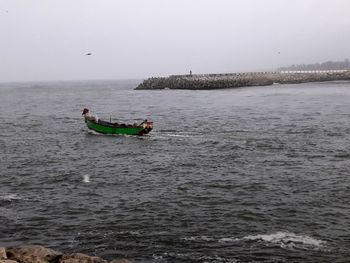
{"points": [[88, 54]]}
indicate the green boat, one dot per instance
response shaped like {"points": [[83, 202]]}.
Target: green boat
{"points": [[106, 127]]}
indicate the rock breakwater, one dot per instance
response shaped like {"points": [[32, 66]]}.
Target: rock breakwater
{"points": [[236, 80], [40, 254]]}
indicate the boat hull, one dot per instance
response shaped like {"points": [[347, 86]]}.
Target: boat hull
{"points": [[107, 128]]}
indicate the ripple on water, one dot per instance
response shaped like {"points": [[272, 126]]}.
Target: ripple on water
{"points": [[216, 180]]}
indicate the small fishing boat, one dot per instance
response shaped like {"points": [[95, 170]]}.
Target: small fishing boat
{"points": [[106, 127]]}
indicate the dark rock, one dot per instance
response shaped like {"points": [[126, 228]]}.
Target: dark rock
{"points": [[123, 260], [39, 254], [7, 261], [3, 253], [33, 254], [81, 258]]}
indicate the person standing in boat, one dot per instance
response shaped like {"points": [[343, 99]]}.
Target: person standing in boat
{"points": [[87, 113]]}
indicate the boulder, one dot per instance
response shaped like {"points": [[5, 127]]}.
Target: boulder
{"points": [[81, 258], [33, 254], [123, 260], [7, 261], [3, 253]]}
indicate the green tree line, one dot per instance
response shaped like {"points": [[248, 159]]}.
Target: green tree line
{"points": [[328, 65]]}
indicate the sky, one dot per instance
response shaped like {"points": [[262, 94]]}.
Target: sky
{"points": [[134, 39]]}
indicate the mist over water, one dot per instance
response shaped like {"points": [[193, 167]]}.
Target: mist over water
{"points": [[239, 175]]}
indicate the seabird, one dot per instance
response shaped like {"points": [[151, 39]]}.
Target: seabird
{"points": [[88, 54]]}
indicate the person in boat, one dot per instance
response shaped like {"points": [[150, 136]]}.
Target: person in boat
{"points": [[146, 124], [87, 113]]}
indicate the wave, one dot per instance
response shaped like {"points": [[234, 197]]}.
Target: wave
{"points": [[282, 239], [86, 178], [91, 132], [189, 257], [199, 238], [10, 197], [177, 135], [129, 233], [8, 214], [228, 239], [288, 240]]}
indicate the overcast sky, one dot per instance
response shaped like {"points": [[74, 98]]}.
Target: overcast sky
{"points": [[49, 39]]}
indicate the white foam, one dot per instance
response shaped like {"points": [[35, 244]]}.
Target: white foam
{"points": [[228, 239], [190, 257], [178, 135], [10, 197], [157, 257], [86, 178], [198, 238], [282, 239], [217, 259], [286, 239], [94, 132]]}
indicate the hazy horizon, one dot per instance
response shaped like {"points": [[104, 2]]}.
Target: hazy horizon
{"points": [[135, 39]]}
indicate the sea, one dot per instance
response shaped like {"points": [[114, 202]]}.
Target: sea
{"points": [[255, 174]]}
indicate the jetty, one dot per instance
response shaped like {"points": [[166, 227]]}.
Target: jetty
{"points": [[245, 79]]}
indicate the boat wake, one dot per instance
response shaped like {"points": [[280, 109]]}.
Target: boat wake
{"points": [[177, 135], [95, 133]]}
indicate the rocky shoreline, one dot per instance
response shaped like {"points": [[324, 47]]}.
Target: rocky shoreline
{"points": [[40, 254], [237, 80]]}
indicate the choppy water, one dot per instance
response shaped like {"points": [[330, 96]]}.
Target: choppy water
{"points": [[241, 175]]}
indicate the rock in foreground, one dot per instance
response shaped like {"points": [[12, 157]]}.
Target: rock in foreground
{"points": [[37, 254], [40, 254]]}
